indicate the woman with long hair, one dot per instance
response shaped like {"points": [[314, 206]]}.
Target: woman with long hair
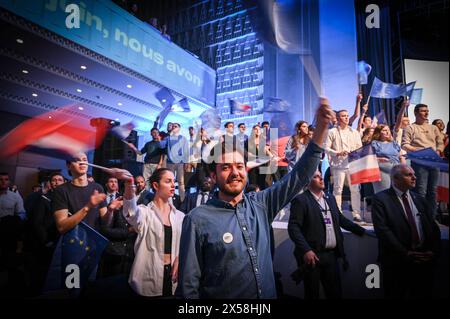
{"points": [[388, 155], [155, 268], [255, 148], [297, 143]]}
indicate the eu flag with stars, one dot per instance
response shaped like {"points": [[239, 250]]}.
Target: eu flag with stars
{"points": [[384, 90], [82, 246], [429, 158]]}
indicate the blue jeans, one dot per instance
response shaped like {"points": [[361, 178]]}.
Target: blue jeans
{"points": [[426, 184]]}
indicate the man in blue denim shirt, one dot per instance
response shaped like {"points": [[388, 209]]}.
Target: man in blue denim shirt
{"points": [[225, 244]]}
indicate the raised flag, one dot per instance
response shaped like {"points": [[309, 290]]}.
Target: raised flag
{"points": [[80, 247], [184, 105], [379, 118], [416, 96], [386, 90], [62, 133], [123, 131], [363, 166], [238, 108], [429, 158], [276, 105], [165, 97], [363, 70]]}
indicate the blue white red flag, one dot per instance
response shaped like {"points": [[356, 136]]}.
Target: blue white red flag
{"points": [[363, 166]]}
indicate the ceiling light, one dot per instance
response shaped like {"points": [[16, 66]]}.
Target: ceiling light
{"points": [[81, 108], [79, 90], [119, 104], [34, 94], [49, 116], [163, 100], [129, 86], [83, 67], [25, 71], [117, 120], [20, 41]]}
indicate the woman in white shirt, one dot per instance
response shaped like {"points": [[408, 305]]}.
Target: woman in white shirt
{"points": [[155, 268]]}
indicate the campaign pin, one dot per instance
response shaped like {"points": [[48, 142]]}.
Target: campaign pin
{"points": [[227, 238]]}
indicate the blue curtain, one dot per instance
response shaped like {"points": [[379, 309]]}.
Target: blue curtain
{"points": [[374, 47]]}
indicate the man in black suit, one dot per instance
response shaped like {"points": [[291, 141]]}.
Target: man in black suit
{"points": [[408, 237], [200, 197], [315, 228]]}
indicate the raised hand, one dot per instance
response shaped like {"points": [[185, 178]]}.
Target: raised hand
{"points": [[96, 198]]}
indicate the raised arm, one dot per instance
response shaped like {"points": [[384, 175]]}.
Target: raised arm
{"points": [[281, 193], [400, 115], [357, 112]]}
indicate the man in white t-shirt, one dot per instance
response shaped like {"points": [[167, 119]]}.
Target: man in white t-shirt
{"points": [[340, 142]]}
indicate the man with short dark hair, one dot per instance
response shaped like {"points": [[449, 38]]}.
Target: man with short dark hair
{"points": [[315, 228], [78, 200], [200, 197], [229, 128], [177, 150], [142, 194], [225, 248], [153, 155], [408, 237], [112, 189], [418, 136], [241, 136]]}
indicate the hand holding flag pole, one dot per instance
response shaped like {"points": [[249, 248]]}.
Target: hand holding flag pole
{"points": [[115, 172]]}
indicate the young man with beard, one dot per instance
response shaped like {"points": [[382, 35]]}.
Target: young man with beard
{"points": [[225, 248]]}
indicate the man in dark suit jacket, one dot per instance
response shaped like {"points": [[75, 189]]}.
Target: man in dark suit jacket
{"points": [[143, 196], [315, 228], [409, 238], [200, 197]]}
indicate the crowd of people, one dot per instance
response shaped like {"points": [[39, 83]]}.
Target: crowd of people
{"points": [[213, 238]]}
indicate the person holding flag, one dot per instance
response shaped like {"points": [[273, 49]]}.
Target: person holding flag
{"points": [[388, 155], [340, 142]]}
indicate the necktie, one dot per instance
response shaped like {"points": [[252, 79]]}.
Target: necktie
{"points": [[203, 201], [111, 198], [412, 223]]}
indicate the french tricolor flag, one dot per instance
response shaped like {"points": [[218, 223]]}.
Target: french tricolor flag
{"points": [[363, 166], [237, 107], [62, 133]]}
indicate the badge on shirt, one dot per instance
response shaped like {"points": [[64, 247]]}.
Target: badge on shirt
{"points": [[327, 221], [227, 238]]}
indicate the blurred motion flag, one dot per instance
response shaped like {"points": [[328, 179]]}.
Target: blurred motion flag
{"points": [[384, 90], [184, 105], [416, 96], [210, 122], [276, 105], [165, 97], [363, 70], [81, 246], [363, 166], [62, 133], [238, 108], [123, 131], [429, 158], [379, 118]]}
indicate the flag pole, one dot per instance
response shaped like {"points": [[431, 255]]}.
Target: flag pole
{"points": [[106, 169]]}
